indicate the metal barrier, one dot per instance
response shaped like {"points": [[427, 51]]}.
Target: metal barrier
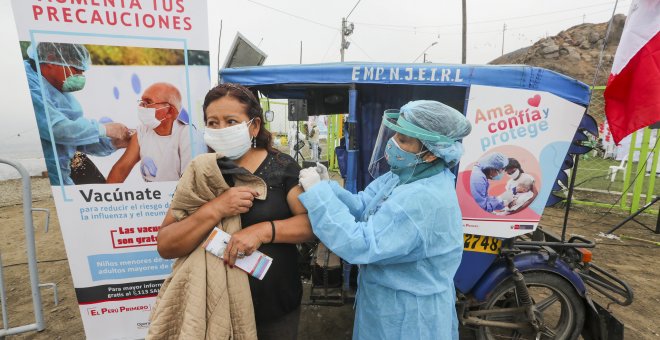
{"points": [[39, 324]]}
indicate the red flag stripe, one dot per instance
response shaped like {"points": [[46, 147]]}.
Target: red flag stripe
{"points": [[632, 97]]}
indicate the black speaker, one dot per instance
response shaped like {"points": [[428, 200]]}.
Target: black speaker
{"points": [[326, 101], [298, 109]]}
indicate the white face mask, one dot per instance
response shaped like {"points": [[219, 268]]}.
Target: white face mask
{"points": [[147, 116], [232, 142], [515, 174]]}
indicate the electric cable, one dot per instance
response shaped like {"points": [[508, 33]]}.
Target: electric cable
{"points": [[293, 15], [352, 40], [486, 21], [351, 12], [329, 46], [624, 192], [415, 29], [551, 22], [593, 84]]}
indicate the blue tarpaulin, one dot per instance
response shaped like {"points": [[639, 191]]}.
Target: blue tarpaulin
{"points": [[383, 86], [513, 76]]}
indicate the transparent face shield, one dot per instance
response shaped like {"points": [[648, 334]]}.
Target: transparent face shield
{"points": [[391, 124], [378, 164]]}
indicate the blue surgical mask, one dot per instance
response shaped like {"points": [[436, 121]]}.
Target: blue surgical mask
{"points": [[398, 159], [499, 176]]}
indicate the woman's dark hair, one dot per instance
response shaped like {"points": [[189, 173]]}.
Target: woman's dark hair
{"points": [[514, 164], [242, 94], [487, 171]]}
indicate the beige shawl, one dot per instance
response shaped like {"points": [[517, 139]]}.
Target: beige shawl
{"points": [[203, 298]]}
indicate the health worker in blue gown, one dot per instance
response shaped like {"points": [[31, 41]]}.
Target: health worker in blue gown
{"points": [[489, 168], [54, 71], [404, 229]]}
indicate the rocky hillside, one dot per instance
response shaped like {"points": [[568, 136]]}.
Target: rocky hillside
{"points": [[573, 52]]}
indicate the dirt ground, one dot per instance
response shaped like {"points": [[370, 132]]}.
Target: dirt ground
{"points": [[634, 261]]}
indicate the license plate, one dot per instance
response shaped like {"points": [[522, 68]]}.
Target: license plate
{"points": [[481, 244]]}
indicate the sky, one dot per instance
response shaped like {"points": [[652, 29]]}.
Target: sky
{"points": [[384, 30]]}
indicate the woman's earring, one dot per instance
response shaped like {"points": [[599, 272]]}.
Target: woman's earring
{"points": [[254, 143]]}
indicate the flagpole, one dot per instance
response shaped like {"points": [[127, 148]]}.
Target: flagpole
{"points": [[602, 50], [569, 197]]}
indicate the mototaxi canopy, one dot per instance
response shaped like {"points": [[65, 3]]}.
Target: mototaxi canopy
{"points": [[364, 90]]}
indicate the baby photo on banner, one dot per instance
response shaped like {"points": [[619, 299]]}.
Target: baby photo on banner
{"points": [[117, 89], [512, 157]]}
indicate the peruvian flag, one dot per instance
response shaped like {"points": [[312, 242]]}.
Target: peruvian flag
{"points": [[632, 96]]}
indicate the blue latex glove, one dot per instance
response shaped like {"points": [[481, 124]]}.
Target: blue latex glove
{"points": [[148, 167]]}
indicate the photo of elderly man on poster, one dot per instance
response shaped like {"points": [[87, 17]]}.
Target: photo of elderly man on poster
{"points": [[162, 141], [94, 100]]}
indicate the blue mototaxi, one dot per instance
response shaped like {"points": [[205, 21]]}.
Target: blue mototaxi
{"points": [[485, 279]]}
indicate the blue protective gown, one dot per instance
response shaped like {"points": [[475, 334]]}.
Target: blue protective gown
{"points": [[408, 241], [71, 131], [479, 189]]}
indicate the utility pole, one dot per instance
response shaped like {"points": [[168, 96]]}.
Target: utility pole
{"points": [[424, 52], [346, 30], [503, 30], [464, 55], [343, 38], [424, 59], [301, 51], [219, 38]]}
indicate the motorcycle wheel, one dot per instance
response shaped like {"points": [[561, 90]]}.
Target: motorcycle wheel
{"points": [[561, 310]]}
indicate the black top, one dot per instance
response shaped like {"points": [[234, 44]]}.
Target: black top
{"points": [[280, 291]]}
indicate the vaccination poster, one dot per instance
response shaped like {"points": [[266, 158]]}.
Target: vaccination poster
{"points": [[117, 90], [512, 157]]}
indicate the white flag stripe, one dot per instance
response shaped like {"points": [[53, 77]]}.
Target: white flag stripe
{"points": [[642, 24]]}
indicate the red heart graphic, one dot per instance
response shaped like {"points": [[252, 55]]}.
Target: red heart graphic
{"points": [[534, 101]]}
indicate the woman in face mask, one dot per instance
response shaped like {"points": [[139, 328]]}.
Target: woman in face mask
{"points": [[405, 229], [273, 224], [516, 174], [489, 168]]}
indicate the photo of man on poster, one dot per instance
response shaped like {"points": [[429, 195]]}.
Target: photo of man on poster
{"points": [[54, 71], [162, 141]]}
